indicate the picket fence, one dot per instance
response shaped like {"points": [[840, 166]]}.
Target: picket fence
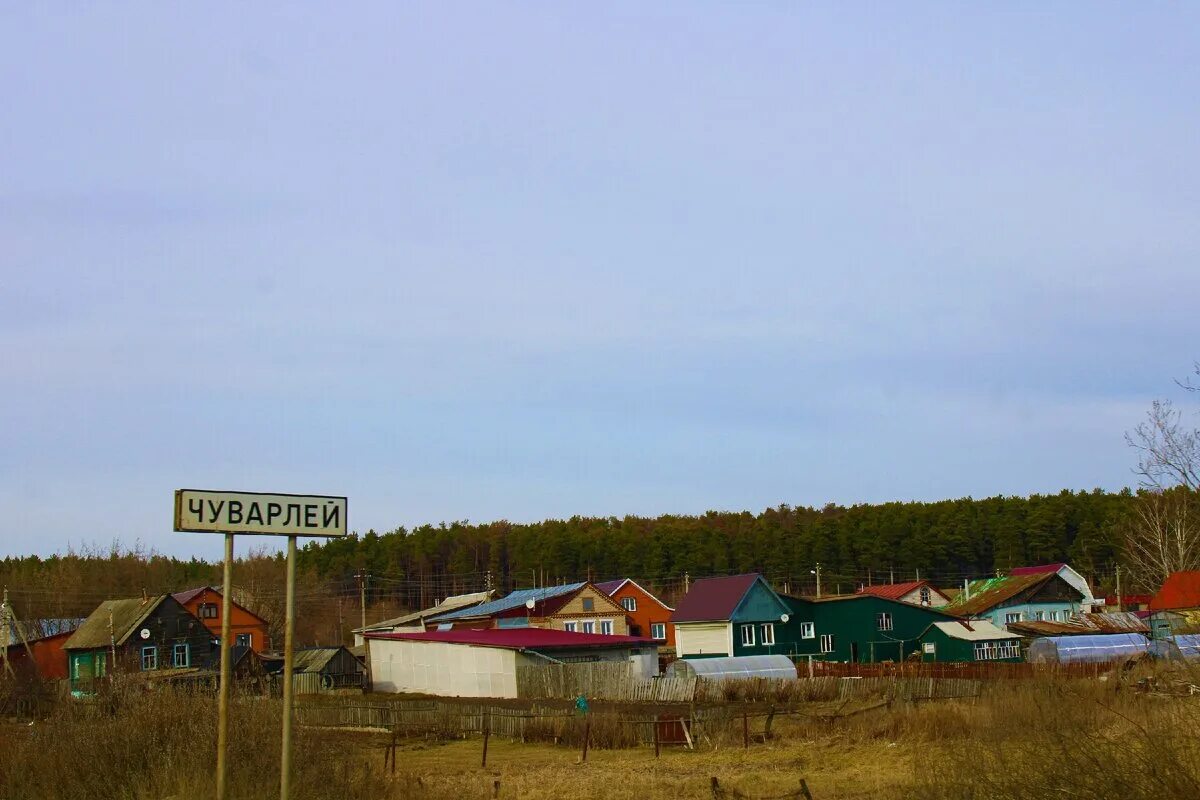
{"points": [[433, 717], [602, 681]]}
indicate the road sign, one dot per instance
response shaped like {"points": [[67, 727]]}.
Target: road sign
{"points": [[259, 513]]}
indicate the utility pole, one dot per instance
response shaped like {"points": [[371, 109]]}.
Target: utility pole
{"points": [[817, 572], [1119, 606], [5, 628], [687, 582], [362, 594]]}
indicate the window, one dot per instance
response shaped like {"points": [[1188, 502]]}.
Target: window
{"points": [[181, 656], [991, 651], [826, 642], [209, 611], [768, 633], [748, 636], [926, 597], [589, 626], [606, 627], [883, 621], [569, 626], [589, 604], [1012, 617], [1053, 615], [658, 630], [629, 603], [242, 640], [807, 630], [1039, 616], [149, 658]]}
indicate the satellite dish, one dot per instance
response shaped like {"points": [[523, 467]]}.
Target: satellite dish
{"points": [[784, 618], [530, 603], [145, 634]]}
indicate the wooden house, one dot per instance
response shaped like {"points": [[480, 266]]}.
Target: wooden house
{"points": [[646, 615], [968, 640], [577, 607], [1067, 573], [142, 634], [247, 628], [735, 615], [1037, 596], [919, 593], [859, 628], [324, 669], [1175, 607]]}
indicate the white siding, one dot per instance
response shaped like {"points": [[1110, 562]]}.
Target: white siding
{"points": [[704, 638], [442, 668]]}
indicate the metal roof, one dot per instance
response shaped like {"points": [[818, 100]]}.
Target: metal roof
{"points": [[1038, 570], [895, 591], [714, 599], [112, 621], [611, 587], [988, 593], [1179, 590], [514, 600], [518, 638], [1083, 624], [452, 603], [313, 659], [973, 631]]}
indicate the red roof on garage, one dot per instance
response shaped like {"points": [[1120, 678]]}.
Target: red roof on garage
{"points": [[519, 638], [1179, 590]]}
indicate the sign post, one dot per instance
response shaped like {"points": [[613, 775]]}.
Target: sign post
{"points": [[289, 515]]}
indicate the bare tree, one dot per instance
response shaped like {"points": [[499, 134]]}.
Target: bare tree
{"points": [[1164, 531]]}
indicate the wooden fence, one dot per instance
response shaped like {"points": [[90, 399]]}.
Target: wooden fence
{"points": [[434, 717], [600, 681], [981, 670]]}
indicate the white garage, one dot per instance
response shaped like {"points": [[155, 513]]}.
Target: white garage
{"points": [[483, 663]]}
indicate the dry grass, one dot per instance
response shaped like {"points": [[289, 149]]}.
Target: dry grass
{"points": [[1073, 738]]}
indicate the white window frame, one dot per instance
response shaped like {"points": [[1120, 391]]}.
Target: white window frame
{"points": [[926, 596], [748, 635], [827, 643], [658, 630], [883, 621], [1052, 616], [588, 626], [570, 627], [606, 627], [1012, 616], [808, 630], [767, 634], [152, 651], [629, 604], [1039, 616], [176, 661]]}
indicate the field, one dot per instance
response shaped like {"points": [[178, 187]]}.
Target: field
{"points": [[1133, 736]]}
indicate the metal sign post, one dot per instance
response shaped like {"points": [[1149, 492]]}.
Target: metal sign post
{"points": [[289, 515]]}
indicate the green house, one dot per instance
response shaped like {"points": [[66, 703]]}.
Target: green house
{"points": [[969, 640], [860, 628], [735, 615]]}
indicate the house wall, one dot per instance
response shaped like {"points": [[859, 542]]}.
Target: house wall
{"points": [[853, 624], [649, 611], [49, 658], [936, 598], [241, 620], [1028, 611], [701, 639], [953, 649], [442, 668]]}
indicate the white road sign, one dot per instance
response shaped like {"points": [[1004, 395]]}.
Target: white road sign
{"points": [[259, 513]]}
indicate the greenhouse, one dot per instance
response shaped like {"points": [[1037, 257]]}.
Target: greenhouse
{"points": [[735, 668], [1087, 649], [1176, 648]]}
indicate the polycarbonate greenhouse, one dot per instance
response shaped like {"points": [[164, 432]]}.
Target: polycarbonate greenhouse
{"points": [[1176, 648], [735, 668], [1087, 649]]}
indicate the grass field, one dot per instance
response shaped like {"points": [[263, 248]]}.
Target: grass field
{"points": [[1119, 737]]}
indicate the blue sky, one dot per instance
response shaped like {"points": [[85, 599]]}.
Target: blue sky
{"points": [[531, 260]]}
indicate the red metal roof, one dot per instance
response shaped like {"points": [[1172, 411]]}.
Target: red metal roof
{"points": [[1038, 570], [608, 587], [519, 638], [713, 599], [893, 591], [1179, 590]]}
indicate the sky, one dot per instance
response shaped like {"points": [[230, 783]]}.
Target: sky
{"points": [[531, 260]]}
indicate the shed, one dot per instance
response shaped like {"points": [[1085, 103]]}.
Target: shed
{"points": [[734, 668], [734, 615], [1087, 649], [336, 668], [969, 640], [483, 663]]}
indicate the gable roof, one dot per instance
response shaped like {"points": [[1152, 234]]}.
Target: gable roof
{"points": [[1082, 624], [795, 602], [188, 595], [1179, 590], [512, 601], [973, 631], [988, 593], [714, 599], [452, 603], [896, 591], [519, 638], [612, 587], [112, 622], [314, 659], [1041, 569]]}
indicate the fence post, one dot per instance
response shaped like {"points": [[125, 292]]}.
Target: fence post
{"points": [[745, 729], [587, 735], [656, 742], [487, 732]]}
